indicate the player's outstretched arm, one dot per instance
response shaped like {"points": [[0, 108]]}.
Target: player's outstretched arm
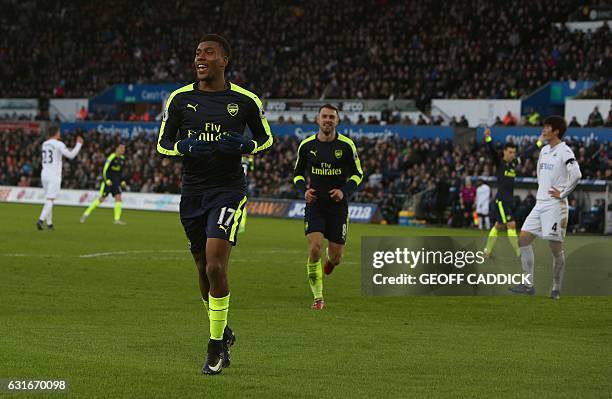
{"points": [[70, 154], [489, 143], [528, 152]]}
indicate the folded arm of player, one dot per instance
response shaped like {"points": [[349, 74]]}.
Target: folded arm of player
{"points": [[167, 143], [573, 177], [235, 143]]}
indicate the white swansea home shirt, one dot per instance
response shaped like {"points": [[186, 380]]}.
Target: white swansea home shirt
{"points": [[52, 151], [552, 169]]}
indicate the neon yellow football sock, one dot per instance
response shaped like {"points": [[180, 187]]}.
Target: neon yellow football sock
{"points": [[217, 315], [92, 206], [512, 236], [315, 278], [205, 302], [118, 210], [491, 240]]}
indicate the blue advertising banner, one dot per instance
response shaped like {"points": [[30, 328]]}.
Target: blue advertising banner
{"points": [[143, 93], [133, 93], [360, 213], [499, 134], [126, 129], [518, 134], [369, 131]]}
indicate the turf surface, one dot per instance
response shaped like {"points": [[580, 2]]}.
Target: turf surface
{"points": [[115, 310]]}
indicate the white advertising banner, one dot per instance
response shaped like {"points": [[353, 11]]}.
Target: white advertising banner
{"points": [[10, 107], [583, 26], [66, 109], [142, 201], [477, 112], [581, 109]]}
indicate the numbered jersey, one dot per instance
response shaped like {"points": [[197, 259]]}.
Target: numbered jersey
{"points": [[52, 152]]}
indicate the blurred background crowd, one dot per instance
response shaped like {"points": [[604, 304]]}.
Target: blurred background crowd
{"points": [[305, 49], [440, 176], [372, 49]]}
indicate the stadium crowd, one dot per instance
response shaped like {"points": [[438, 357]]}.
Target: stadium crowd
{"points": [[342, 49], [397, 170]]}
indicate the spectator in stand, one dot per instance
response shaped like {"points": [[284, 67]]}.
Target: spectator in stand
{"points": [[509, 119], [463, 122], [406, 120], [533, 117], [422, 121], [440, 52], [498, 122], [609, 119], [82, 114], [595, 118], [574, 122]]}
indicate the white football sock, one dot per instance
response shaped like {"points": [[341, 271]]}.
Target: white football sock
{"points": [[558, 270], [527, 260]]}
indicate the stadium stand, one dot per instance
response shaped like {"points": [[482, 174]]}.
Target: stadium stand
{"points": [[341, 49], [465, 50]]}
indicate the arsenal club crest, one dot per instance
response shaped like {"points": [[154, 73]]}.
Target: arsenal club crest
{"points": [[232, 109]]}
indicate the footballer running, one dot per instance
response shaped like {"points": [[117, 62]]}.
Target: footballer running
{"points": [[204, 124], [112, 183], [330, 162]]}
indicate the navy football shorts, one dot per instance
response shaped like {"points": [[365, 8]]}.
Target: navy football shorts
{"points": [[331, 219], [215, 215]]}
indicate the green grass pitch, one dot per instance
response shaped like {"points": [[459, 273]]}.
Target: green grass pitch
{"points": [[116, 311]]}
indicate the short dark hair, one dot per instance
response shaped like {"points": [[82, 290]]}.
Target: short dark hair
{"points": [[556, 122], [52, 128], [330, 106], [509, 145], [213, 37]]}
